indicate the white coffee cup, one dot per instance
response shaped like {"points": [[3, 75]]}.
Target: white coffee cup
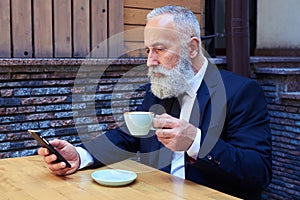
{"points": [[139, 122]]}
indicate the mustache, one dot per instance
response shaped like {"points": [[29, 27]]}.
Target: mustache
{"points": [[160, 69]]}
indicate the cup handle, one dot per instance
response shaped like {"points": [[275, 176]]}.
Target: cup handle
{"points": [[152, 128]]}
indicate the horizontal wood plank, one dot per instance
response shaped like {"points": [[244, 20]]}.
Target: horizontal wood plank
{"points": [[135, 21], [133, 16], [194, 5], [133, 33], [134, 49]]}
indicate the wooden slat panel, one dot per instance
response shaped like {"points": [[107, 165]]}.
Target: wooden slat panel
{"points": [[21, 28], [194, 5], [133, 33], [134, 41], [138, 16], [5, 44], [43, 44], [135, 49], [135, 16], [99, 28], [135, 19], [116, 26], [81, 28], [62, 28]]}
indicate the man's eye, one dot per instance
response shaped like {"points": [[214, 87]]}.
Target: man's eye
{"points": [[160, 49], [156, 50]]}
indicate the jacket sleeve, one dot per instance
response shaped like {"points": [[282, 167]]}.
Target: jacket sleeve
{"points": [[111, 147], [117, 144]]}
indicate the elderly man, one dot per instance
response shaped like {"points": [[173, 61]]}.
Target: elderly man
{"points": [[211, 126]]}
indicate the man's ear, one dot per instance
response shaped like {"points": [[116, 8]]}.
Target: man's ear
{"points": [[193, 47]]}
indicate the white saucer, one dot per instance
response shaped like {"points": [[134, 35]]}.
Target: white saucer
{"points": [[113, 177]]}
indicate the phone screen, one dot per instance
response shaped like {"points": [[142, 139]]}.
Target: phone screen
{"points": [[36, 134]]}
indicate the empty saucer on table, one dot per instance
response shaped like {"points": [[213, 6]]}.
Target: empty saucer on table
{"points": [[113, 177]]}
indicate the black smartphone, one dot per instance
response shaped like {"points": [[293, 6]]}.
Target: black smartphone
{"points": [[36, 134]]}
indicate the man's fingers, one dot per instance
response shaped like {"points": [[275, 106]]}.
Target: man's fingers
{"points": [[163, 122], [164, 133], [58, 168], [57, 143], [43, 151], [49, 159]]}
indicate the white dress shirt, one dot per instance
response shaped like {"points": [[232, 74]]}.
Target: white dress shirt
{"points": [[177, 165]]}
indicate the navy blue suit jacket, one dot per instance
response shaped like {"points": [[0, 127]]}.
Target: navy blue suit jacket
{"points": [[235, 155]]}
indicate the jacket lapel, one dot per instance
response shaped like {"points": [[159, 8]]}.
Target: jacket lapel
{"points": [[213, 109], [204, 93]]}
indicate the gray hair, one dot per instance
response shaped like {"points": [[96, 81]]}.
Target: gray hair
{"points": [[184, 19]]}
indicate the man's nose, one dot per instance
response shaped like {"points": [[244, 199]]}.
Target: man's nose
{"points": [[152, 59]]}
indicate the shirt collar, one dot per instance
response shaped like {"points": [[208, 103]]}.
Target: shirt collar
{"points": [[196, 81]]}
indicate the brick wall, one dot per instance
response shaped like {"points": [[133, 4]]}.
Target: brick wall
{"points": [[280, 79], [41, 95]]}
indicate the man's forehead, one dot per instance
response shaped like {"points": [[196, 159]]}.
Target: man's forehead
{"points": [[160, 30], [158, 42]]}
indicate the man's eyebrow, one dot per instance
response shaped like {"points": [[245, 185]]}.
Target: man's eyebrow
{"points": [[155, 45]]}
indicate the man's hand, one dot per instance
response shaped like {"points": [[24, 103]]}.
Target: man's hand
{"points": [[175, 134], [68, 151]]}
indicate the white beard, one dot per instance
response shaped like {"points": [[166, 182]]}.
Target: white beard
{"points": [[175, 80]]}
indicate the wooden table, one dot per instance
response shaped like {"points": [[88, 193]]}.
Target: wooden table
{"points": [[27, 178]]}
